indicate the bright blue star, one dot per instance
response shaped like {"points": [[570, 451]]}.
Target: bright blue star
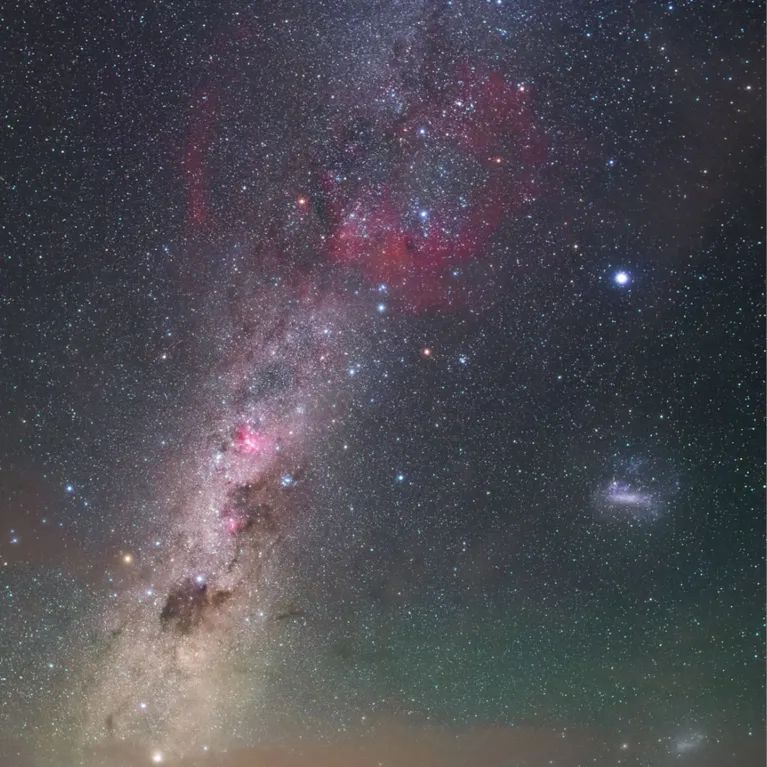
{"points": [[622, 278]]}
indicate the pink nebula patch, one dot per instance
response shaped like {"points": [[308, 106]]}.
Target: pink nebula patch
{"points": [[251, 442]]}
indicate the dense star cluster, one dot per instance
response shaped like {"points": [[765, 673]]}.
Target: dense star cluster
{"points": [[382, 384]]}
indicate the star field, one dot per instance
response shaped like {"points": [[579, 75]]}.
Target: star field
{"points": [[382, 383]]}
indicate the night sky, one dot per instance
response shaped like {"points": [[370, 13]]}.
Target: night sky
{"points": [[382, 383]]}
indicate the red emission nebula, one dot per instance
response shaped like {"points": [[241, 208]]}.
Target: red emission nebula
{"points": [[479, 118]]}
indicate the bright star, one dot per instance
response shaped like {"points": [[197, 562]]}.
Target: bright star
{"points": [[622, 278]]}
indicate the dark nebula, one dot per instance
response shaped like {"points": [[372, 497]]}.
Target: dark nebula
{"points": [[185, 606]]}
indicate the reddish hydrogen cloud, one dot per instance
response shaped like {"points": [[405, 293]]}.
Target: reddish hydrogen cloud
{"points": [[198, 144], [369, 224], [489, 121], [223, 70], [251, 442]]}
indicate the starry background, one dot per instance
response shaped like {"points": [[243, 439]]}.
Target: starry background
{"points": [[505, 261]]}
